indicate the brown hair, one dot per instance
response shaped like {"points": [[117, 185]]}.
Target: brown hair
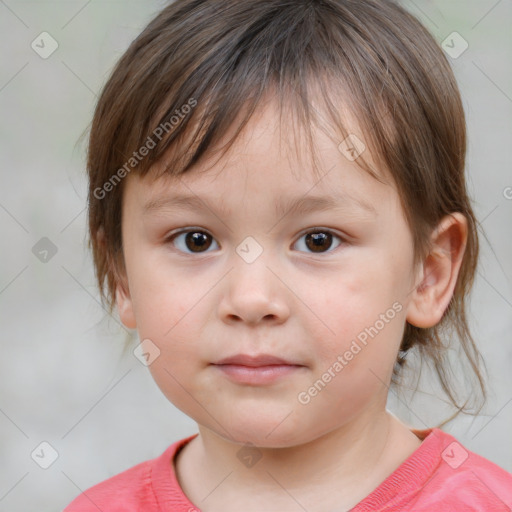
{"points": [[201, 65]]}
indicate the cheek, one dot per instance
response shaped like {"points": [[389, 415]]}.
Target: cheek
{"points": [[172, 374], [172, 321], [364, 315], [162, 297], [171, 309]]}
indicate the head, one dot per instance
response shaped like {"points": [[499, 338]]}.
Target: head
{"points": [[246, 107]]}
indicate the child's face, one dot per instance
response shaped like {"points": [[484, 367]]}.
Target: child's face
{"points": [[215, 296]]}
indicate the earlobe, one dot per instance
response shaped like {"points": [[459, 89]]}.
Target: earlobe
{"points": [[125, 307], [438, 276]]}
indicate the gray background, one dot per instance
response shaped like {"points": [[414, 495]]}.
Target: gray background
{"points": [[63, 378]]}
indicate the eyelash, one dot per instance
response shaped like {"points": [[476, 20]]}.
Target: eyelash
{"points": [[170, 239]]}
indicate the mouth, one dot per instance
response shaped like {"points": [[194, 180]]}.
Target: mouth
{"points": [[256, 370]]}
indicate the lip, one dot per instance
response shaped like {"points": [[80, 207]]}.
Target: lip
{"points": [[256, 370], [256, 361]]}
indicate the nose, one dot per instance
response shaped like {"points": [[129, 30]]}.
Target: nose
{"points": [[253, 293]]}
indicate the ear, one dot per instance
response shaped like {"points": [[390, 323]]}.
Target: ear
{"points": [[125, 307], [123, 299], [117, 268], [438, 274]]}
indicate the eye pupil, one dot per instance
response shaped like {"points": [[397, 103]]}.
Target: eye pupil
{"points": [[198, 241], [316, 241]]}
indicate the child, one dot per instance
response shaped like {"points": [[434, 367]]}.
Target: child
{"points": [[208, 209]]}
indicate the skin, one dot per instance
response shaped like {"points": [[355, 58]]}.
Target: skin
{"points": [[290, 302]]}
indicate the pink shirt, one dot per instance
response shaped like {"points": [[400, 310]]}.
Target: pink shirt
{"points": [[440, 476]]}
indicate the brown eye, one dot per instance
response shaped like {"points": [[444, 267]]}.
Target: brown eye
{"points": [[192, 241], [197, 241], [319, 241]]}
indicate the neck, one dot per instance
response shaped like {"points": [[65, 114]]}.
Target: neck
{"points": [[341, 466]]}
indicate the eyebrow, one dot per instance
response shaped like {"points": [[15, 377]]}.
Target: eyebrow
{"points": [[301, 205]]}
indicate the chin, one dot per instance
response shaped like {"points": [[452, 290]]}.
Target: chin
{"points": [[269, 431]]}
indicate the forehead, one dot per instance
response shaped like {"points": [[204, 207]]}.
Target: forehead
{"points": [[271, 156]]}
